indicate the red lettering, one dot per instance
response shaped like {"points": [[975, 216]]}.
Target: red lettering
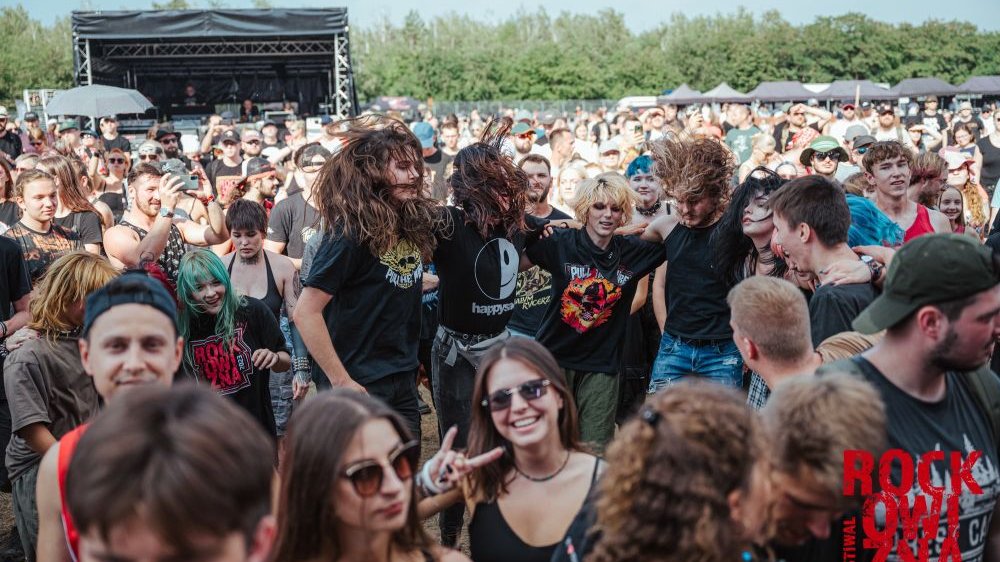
{"points": [[949, 547], [961, 471], [855, 473], [906, 472], [924, 474], [875, 537], [911, 520]]}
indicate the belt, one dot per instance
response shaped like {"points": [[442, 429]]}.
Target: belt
{"points": [[468, 339], [694, 342], [470, 346]]}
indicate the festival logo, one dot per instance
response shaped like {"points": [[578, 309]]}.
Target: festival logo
{"points": [[589, 299], [939, 509], [228, 370], [405, 268]]}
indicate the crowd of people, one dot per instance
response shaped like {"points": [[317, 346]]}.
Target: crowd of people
{"points": [[669, 326]]}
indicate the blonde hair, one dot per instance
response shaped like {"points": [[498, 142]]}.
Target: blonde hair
{"points": [[773, 314], [610, 188], [810, 420], [64, 286]]}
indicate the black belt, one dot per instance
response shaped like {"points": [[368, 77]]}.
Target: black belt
{"points": [[694, 342], [468, 339]]}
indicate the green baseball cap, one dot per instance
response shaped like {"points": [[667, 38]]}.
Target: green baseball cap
{"points": [[930, 269], [520, 128], [69, 125], [822, 144]]}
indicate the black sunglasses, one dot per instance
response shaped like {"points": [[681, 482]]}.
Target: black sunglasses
{"points": [[830, 155], [531, 390], [367, 476], [116, 160]]}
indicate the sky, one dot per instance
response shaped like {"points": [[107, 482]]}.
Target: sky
{"points": [[640, 15]]}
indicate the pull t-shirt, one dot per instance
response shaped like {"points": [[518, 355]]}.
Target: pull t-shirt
{"points": [[374, 317], [477, 277], [592, 295], [534, 291], [229, 368]]}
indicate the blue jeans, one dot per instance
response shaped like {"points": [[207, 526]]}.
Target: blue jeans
{"points": [[719, 361]]}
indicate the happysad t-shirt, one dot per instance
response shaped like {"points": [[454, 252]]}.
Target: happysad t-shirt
{"points": [[592, 295]]}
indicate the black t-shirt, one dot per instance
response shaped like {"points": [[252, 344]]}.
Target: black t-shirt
{"points": [[534, 291], [437, 165], [954, 424], [10, 143], [223, 177], [85, 225], [42, 248], [975, 125], [229, 368], [477, 277], [293, 222], [584, 327], [14, 275], [696, 295], [832, 308], [118, 142], [935, 121], [10, 213], [374, 317]]}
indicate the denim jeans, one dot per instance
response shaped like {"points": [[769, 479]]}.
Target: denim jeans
{"points": [[678, 360], [452, 392], [280, 385], [26, 510]]}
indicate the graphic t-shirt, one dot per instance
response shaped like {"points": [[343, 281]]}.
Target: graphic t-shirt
{"points": [[223, 177], [741, 141], [534, 291], [592, 294], [42, 248], [228, 366], [293, 222], [84, 225], [956, 424], [478, 277], [832, 308], [374, 317]]}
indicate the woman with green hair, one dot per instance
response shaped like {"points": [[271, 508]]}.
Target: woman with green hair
{"points": [[230, 341]]}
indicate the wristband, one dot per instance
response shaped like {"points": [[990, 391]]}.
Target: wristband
{"points": [[425, 482]]}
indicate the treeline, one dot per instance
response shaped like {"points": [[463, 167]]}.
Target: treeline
{"points": [[575, 56]]}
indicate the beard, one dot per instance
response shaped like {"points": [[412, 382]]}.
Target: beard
{"points": [[540, 197], [941, 359], [172, 152]]}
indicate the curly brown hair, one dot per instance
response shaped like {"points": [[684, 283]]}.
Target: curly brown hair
{"points": [[665, 496], [353, 192], [694, 169]]}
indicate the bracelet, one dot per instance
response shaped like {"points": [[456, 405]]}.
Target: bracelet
{"points": [[425, 482]]}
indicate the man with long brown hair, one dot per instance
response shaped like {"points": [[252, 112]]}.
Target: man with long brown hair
{"points": [[697, 339], [379, 230]]}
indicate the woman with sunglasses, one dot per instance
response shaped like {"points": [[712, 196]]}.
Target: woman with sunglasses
{"points": [[521, 402], [113, 191], [38, 142], [347, 486]]}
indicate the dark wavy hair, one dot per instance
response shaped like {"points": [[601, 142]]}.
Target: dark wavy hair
{"points": [[694, 169], [353, 192], [318, 434], [732, 248], [484, 177], [665, 495], [490, 481]]}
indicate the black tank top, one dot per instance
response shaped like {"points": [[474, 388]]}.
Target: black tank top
{"points": [[696, 296], [991, 164], [492, 540], [115, 202], [170, 259], [272, 299]]}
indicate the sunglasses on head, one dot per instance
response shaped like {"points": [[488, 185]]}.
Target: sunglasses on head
{"points": [[367, 476], [531, 390], [599, 206], [829, 155]]}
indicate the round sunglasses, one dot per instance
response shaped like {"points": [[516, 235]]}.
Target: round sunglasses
{"points": [[529, 391], [367, 476]]}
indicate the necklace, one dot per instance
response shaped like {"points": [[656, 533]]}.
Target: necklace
{"points": [[547, 477], [650, 211]]}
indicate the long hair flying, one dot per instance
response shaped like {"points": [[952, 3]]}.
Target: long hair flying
{"points": [[733, 249], [694, 169], [202, 266], [353, 192], [487, 185]]}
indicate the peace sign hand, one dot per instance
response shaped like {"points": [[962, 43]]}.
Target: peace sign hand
{"points": [[447, 467]]}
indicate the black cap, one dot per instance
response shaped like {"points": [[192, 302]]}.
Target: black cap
{"points": [[310, 151], [257, 167], [31, 116], [884, 108], [230, 135], [130, 288], [267, 123], [165, 131], [934, 268]]}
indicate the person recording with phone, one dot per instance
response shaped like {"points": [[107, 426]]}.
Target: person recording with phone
{"points": [[149, 229]]}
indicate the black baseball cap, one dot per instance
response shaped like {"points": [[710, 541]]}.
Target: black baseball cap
{"points": [[257, 167], [130, 288], [934, 268], [31, 116], [166, 131], [230, 135], [310, 151]]}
